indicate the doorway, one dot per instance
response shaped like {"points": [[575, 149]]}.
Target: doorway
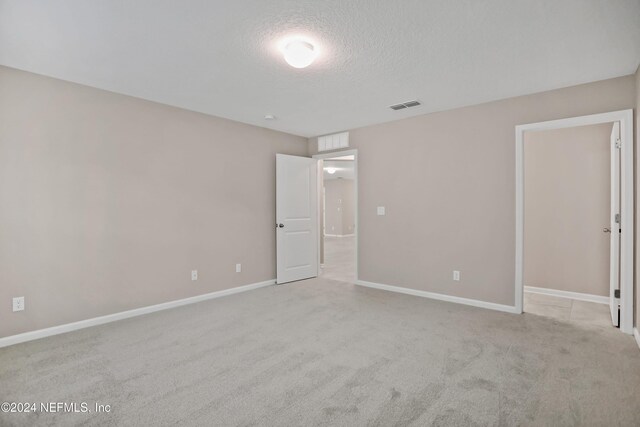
{"points": [[567, 248], [338, 216], [574, 219]]}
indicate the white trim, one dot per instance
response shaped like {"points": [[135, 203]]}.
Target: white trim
{"points": [[636, 335], [440, 297], [625, 117], [567, 294], [68, 327], [339, 235], [338, 153]]}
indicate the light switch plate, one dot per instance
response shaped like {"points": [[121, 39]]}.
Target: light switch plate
{"points": [[238, 268], [456, 275], [194, 274], [381, 210], [18, 304]]}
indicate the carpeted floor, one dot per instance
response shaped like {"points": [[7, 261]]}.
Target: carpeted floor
{"points": [[320, 352]]}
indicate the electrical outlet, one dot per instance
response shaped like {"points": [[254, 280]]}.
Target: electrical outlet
{"points": [[18, 304], [456, 275], [381, 210], [238, 268], [194, 274]]}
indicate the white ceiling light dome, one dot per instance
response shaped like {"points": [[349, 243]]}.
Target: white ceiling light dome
{"points": [[331, 170], [299, 53]]}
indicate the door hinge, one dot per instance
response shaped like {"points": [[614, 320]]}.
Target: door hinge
{"points": [[618, 143], [617, 218], [616, 293]]}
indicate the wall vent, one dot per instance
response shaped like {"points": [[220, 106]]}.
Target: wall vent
{"points": [[404, 105], [332, 142]]}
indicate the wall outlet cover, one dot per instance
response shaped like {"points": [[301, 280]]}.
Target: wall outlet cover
{"points": [[238, 268], [18, 304], [194, 274], [456, 275], [381, 210]]}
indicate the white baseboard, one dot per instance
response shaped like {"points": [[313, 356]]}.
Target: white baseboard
{"points": [[636, 335], [339, 235], [441, 297], [566, 294], [68, 327]]}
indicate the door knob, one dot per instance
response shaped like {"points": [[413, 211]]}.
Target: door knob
{"points": [[280, 225], [606, 230]]}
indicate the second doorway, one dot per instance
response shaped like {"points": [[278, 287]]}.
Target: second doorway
{"points": [[338, 218]]}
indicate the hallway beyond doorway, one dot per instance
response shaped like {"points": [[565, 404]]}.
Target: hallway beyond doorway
{"points": [[339, 259]]}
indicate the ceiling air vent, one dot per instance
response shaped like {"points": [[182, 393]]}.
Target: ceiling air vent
{"points": [[403, 105], [332, 142]]}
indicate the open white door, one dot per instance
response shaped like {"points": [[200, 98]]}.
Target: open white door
{"points": [[296, 218], [614, 228]]}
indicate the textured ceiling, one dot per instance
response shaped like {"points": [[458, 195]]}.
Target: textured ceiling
{"points": [[222, 58]]}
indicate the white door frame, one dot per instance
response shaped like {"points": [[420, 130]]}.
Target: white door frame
{"points": [[330, 155], [614, 238], [625, 117]]}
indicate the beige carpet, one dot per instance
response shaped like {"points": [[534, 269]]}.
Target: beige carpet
{"points": [[320, 352]]}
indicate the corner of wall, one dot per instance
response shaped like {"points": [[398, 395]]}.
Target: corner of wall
{"points": [[311, 146]]}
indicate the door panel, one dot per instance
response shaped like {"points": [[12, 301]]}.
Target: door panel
{"points": [[614, 266], [296, 218]]}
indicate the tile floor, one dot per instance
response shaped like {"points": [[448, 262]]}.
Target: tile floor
{"points": [[339, 259], [570, 310]]}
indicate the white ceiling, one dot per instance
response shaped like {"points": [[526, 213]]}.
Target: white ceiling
{"points": [[222, 57]]}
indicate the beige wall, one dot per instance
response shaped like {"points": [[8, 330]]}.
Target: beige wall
{"points": [[97, 193], [339, 206], [349, 207], [567, 204], [450, 195], [108, 202]]}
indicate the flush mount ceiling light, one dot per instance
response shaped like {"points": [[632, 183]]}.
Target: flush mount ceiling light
{"points": [[299, 53], [331, 170]]}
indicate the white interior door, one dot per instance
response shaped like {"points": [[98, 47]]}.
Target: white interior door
{"points": [[614, 279], [296, 217]]}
